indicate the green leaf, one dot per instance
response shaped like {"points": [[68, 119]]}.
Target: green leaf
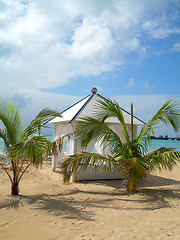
{"points": [[11, 118], [32, 149], [39, 121], [83, 160]]}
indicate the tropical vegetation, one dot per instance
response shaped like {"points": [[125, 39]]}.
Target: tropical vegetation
{"points": [[131, 156], [24, 147]]}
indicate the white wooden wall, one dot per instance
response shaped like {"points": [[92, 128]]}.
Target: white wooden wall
{"points": [[61, 129]]}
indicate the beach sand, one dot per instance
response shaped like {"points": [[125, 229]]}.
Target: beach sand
{"points": [[48, 209]]}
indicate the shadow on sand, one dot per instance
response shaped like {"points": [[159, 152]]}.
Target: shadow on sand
{"points": [[78, 203], [58, 204]]}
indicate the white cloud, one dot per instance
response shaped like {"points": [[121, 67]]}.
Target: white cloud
{"points": [[162, 33], [45, 44], [146, 84], [91, 40], [175, 47], [131, 84]]}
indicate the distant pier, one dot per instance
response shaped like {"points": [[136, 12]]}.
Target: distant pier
{"points": [[165, 137]]}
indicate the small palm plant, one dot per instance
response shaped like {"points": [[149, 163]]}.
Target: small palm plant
{"points": [[24, 147], [130, 156]]}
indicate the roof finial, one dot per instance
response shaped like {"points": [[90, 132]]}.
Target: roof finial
{"points": [[94, 90]]}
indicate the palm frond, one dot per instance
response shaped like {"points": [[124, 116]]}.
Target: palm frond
{"points": [[3, 135], [169, 114], [163, 158], [92, 129], [83, 160], [107, 108], [32, 149], [11, 118], [133, 170], [40, 119]]}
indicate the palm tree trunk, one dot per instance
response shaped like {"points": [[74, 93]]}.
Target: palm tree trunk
{"points": [[14, 188]]}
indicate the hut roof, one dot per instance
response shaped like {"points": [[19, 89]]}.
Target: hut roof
{"points": [[85, 107]]}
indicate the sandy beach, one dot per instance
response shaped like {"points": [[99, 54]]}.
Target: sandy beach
{"points": [[48, 209]]}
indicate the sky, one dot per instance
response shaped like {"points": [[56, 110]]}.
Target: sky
{"points": [[53, 52]]}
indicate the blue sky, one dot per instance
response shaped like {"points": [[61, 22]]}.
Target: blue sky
{"points": [[53, 52], [155, 75]]}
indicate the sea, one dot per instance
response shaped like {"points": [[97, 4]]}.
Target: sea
{"points": [[156, 143]]}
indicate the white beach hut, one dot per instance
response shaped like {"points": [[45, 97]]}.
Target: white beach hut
{"points": [[66, 124]]}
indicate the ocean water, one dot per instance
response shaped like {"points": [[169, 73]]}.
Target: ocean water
{"points": [[156, 143], [1, 145]]}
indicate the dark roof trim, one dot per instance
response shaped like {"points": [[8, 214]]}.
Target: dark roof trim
{"points": [[75, 116], [68, 108], [75, 103], [133, 116]]}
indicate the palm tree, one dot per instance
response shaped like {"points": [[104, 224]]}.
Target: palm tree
{"points": [[130, 156], [24, 147]]}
